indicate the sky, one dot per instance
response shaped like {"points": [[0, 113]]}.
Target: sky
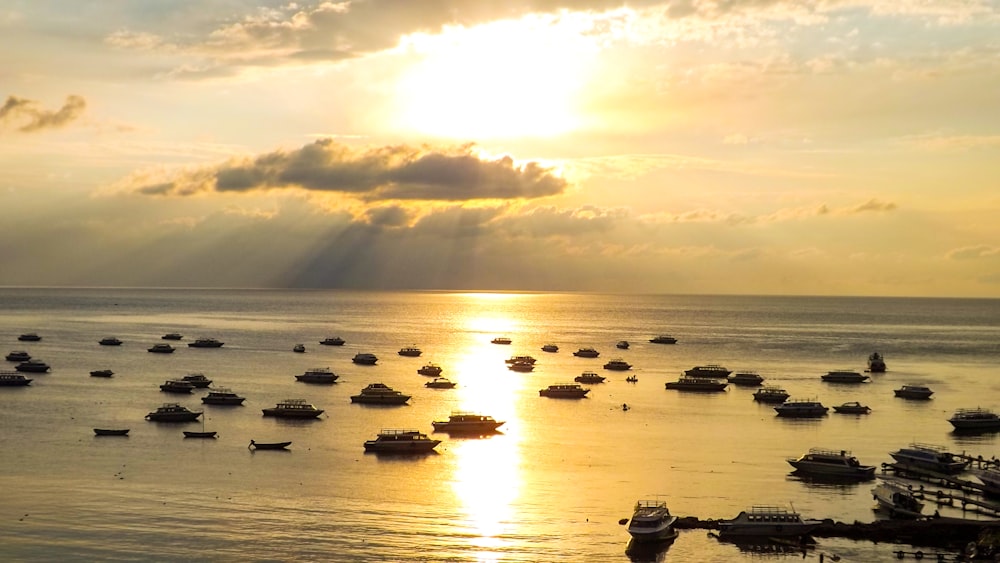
{"points": [[839, 147]]}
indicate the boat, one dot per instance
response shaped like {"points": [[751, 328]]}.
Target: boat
{"points": [[410, 351], [380, 394], [852, 407], [501, 340], [618, 364], [222, 396], [173, 412], [440, 383], [916, 392], [197, 379], [432, 370], [589, 377], [550, 348], [586, 353], [770, 394], [205, 343], [300, 348], [698, 384], [520, 359], [111, 431], [293, 408], [831, 463], [401, 441], [876, 363], [975, 419], [110, 341], [663, 339], [102, 373], [161, 349], [29, 337], [929, 458], [564, 391], [33, 366], [521, 366], [709, 370], [801, 408], [746, 378], [172, 336], [622, 345], [467, 422], [897, 499], [991, 481], [176, 386], [13, 379], [202, 434], [268, 445], [365, 359], [332, 341], [767, 521], [318, 375], [652, 522], [18, 356], [632, 379], [844, 376]]}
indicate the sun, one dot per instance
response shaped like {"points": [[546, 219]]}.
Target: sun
{"points": [[521, 78]]}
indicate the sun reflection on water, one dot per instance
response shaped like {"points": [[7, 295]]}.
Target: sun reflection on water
{"points": [[486, 483]]}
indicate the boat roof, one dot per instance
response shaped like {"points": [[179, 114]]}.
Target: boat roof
{"points": [[830, 452]]}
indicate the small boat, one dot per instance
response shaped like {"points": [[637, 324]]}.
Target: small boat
{"points": [[365, 359], [708, 370], [767, 521], [663, 339], [521, 366], [550, 348], [916, 392], [173, 412], [111, 431], [928, 457], [33, 366], [852, 407], [332, 341], [467, 422], [501, 340], [831, 463], [110, 341], [205, 343], [746, 379], [318, 375], [293, 408], [410, 351], [801, 408], [172, 336], [586, 353], [617, 364], [268, 445], [632, 379], [18, 356], [564, 391], [697, 384], [222, 396], [897, 499], [440, 383], [198, 380], [977, 419], [652, 522], [380, 394], [622, 345], [401, 441], [991, 481], [300, 348], [102, 373], [431, 370], [520, 359], [844, 376], [589, 377], [176, 386], [13, 379], [29, 337], [161, 349], [876, 363], [770, 395], [202, 434]]}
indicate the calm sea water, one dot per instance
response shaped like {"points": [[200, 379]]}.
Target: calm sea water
{"points": [[551, 487]]}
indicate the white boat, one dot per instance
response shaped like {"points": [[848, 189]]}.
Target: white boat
{"points": [[767, 521], [844, 376], [318, 375], [467, 422], [897, 500], [365, 358], [801, 408], [976, 419], [831, 463], [930, 458], [401, 442], [652, 522]]}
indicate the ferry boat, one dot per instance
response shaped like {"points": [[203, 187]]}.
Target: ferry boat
{"points": [[111, 431], [564, 391], [467, 422], [18, 356], [710, 370], [843, 376], [876, 363], [550, 348], [410, 351], [520, 359], [380, 394], [652, 522], [618, 364], [663, 339], [917, 392], [332, 341], [852, 407], [930, 458], [33, 366], [172, 336], [197, 379], [587, 353], [771, 395], [318, 375], [222, 396], [440, 383], [622, 345], [161, 349], [293, 408], [975, 419], [110, 341], [176, 386], [801, 408], [13, 379], [697, 384], [746, 379], [431, 370], [29, 337], [503, 340], [898, 500], [521, 366], [173, 412], [205, 343], [767, 521], [401, 441], [589, 377], [365, 359], [831, 463]]}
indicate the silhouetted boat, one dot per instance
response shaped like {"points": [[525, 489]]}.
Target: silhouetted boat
{"points": [[380, 394], [586, 353], [501, 340], [746, 379], [111, 431], [589, 377], [176, 386], [203, 434], [432, 370], [618, 364], [293, 408], [173, 412], [332, 341], [843, 376], [663, 339], [770, 395], [109, 341], [709, 370], [876, 363], [197, 380], [697, 384], [564, 391], [622, 345], [467, 422], [18, 356], [852, 407], [172, 336], [268, 445], [975, 419], [767, 521], [550, 348], [300, 348], [930, 458], [410, 351], [801, 408], [161, 349], [13, 379], [102, 373], [222, 396], [917, 392], [206, 343], [831, 463], [29, 337], [440, 383], [401, 441], [33, 366], [365, 358], [318, 375], [897, 500]]}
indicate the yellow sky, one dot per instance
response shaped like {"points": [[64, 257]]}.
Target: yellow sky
{"points": [[772, 147]]}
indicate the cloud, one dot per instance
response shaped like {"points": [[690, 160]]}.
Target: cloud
{"points": [[28, 116], [974, 252], [397, 172], [873, 205]]}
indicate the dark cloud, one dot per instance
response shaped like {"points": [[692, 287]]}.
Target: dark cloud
{"points": [[28, 115], [383, 173]]}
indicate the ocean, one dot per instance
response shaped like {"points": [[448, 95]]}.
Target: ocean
{"points": [[551, 486]]}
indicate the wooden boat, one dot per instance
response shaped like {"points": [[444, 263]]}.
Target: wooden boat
{"points": [[102, 373], [203, 434], [111, 431], [254, 445]]}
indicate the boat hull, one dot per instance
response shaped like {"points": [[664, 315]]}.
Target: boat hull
{"points": [[111, 431], [288, 413]]}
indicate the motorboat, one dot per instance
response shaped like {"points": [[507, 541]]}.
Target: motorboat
{"points": [[365, 359], [222, 396], [697, 384], [410, 351], [176, 386], [991, 481], [299, 348], [929, 458], [589, 377], [161, 349], [110, 341], [503, 340], [897, 500], [254, 445], [521, 366], [709, 370], [102, 373], [29, 337], [293, 408], [771, 395], [977, 419], [467, 422], [111, 431], [586, 353], [618, 364], [205, 343], [520, 359], [318, 375], [844, 376], [852, 407], [401, 442], [172, 336], [332, 341], [13, 379], [18, 356], [564, 391], [916, 392], [801, 408], [767, 521], [380, 394], [550, 348], [33, 366], [831, 463], [430, 370], [652, 522], [622, 345], [663, 339], [746, 379], [173, 412], [876, 363], [197, 379], [440, 383]]}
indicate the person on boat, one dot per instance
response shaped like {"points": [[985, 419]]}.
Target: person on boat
{"points": [[252, 444]]}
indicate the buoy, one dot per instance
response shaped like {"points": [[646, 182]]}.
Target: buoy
{"points": [[623, 521]]}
